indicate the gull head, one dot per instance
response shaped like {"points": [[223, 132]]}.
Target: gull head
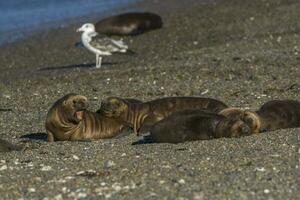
{"points": [[88, 27]]}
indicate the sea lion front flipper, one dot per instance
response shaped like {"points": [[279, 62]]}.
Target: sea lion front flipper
{"points": [[50, 137]]}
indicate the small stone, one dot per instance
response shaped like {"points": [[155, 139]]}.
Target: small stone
{"points": [[279, 39], [181, 181], [31, 189], [75, 157], [260, 169], [58, 197], [123, 155], [110, 163], [46, 168], [102, 184], [266, 191], [4, 167], [205, 92], [64, 189], [81, 195], [117, 187]]}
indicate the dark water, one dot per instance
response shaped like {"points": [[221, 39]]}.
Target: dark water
{"points": [[20, 17]]}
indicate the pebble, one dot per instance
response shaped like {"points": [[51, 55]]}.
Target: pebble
{"points": [[181, 181], [75, 157], [4, 167], [31, 189], [260, 169], [266, 191], [46, 168], [110, 163]]}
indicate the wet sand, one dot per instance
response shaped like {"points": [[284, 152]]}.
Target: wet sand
{"points": [[241, 52]]}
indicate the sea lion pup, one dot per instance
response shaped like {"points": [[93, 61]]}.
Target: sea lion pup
{"points": [[5, 146], [133, 23], [147, 113], [68, 119], [191, 125], [273, 115]]}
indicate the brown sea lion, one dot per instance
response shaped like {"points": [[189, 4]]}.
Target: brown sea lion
{"points": [[133, 23], [68, 119], [6, 146], [191, 125], [147, 113], [273, 115]]}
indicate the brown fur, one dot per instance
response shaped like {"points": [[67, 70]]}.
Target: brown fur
{"points": [[191, 125], [146, 114], [129, 24], [277, 114], [68, 119], [273, 115]]}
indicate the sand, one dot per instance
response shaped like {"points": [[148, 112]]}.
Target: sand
{"points": [[244, 53]]}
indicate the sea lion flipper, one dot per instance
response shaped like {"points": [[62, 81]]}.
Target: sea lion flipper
{"points": [[50, 137]]}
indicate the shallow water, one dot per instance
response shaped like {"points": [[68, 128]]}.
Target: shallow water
{"points": [[19, 17]]}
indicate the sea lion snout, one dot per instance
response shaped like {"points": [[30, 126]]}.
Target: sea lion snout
{"points": [[80, 103], [112, 106], [240, 128], [253, 121]]}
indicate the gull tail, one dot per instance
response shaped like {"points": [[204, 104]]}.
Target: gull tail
{"points": [[130, 52], [127, 52]]}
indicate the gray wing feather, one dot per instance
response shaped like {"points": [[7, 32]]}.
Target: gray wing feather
{"points": [[104, 43]]}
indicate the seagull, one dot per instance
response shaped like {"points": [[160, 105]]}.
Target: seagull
{"points": [[100, 45]]}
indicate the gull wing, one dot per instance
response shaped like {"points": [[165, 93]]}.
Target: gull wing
{"points": [[104, 43]]}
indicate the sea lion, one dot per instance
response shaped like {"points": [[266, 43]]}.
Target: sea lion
{"points": [[69, 119], [147, 113], [273, 115], [191, 125], [133, 23], [6, 146]]}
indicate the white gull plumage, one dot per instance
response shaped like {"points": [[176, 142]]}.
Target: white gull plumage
{"points": [[100, 45]]}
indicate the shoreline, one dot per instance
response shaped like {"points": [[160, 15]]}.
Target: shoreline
{"points": [[242, 53], [23, 32]]}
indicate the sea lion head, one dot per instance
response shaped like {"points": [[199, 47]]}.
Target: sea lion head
{"points": [[253, 121], [232, 127], [233, 113], [69, 109], [114, 107], [239, 128]]}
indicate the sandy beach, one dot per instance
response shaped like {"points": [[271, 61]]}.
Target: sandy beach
{"points": [[244, 53]]}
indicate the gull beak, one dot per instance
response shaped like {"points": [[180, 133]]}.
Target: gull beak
{"points": [[79, 30]]}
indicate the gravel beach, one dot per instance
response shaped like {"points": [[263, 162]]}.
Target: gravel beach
{"points": [[244, 53]]}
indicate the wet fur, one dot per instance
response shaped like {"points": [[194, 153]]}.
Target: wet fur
{"points": [[148, 113], [192, 125], [129, 24], [273, 115], [61, 123]]}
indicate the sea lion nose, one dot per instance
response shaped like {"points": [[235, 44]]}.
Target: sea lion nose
{"points": [[246, 130], [81, 103]]}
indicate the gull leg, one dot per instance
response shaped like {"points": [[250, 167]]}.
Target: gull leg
{"points": [[100, 61], [97, 60]]}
